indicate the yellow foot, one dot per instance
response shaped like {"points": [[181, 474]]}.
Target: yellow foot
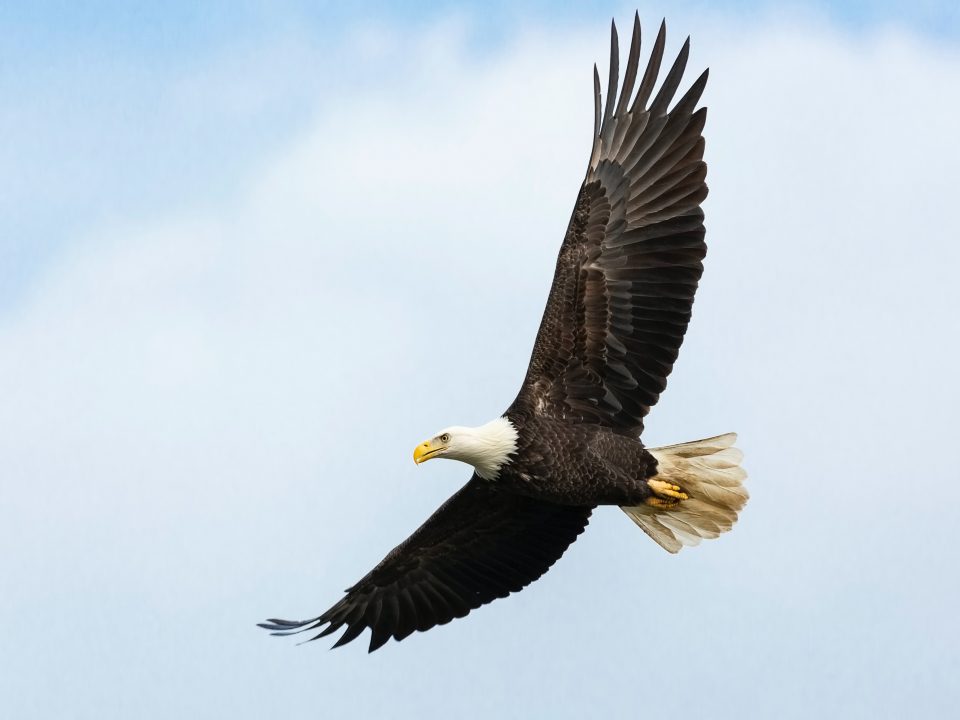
{"points": [[665, 494]]}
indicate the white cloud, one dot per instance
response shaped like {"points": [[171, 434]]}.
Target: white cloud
{"points": [[208, 418]]}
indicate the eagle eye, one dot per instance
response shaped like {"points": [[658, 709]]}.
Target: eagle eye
{"points": [[445, 438]]}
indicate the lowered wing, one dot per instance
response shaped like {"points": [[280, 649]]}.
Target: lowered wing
{"points": [[478, 546]]}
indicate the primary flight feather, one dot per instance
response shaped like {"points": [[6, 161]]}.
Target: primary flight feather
{"points": [[617, 312]]}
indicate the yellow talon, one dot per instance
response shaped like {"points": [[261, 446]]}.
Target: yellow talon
{"points": [[666, 494], [658, 503]]}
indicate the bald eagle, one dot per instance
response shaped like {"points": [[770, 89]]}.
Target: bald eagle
{"points": [[617, 312]]}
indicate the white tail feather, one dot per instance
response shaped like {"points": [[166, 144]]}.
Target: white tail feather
{"points": [[709, 472]]}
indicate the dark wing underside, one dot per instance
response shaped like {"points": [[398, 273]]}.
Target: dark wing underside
{"points": [[631, 259], [478, 546]]}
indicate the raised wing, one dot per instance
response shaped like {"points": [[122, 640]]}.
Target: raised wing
{"points": [[478, 546], [631, 259]]}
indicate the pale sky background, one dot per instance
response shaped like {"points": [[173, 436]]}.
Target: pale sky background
{"points": [[227, 232]]}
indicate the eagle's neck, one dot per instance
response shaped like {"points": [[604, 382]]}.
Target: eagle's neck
{"points": [[489, 447]]}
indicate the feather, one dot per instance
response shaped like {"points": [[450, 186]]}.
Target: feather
{"points": [[709, 472]]}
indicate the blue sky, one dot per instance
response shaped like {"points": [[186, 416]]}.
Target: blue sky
{"points": [[88, 93], [218, 225]]}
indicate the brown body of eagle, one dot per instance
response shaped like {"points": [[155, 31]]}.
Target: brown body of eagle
{"points": [[616, 315]]}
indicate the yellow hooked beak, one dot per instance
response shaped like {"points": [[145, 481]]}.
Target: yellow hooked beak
{"points": [[426, 450]]}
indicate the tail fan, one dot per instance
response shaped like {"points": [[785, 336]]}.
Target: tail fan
{"points": [[708, 473]]}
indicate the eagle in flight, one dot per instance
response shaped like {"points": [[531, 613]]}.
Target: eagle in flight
{"points": [[618, 308]]}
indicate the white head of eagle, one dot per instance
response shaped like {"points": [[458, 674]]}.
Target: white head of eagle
{"points": [[487, 447]]}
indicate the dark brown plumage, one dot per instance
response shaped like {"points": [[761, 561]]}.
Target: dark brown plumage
{"points": [[616, 315], [480, 545], [631, 259]]}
